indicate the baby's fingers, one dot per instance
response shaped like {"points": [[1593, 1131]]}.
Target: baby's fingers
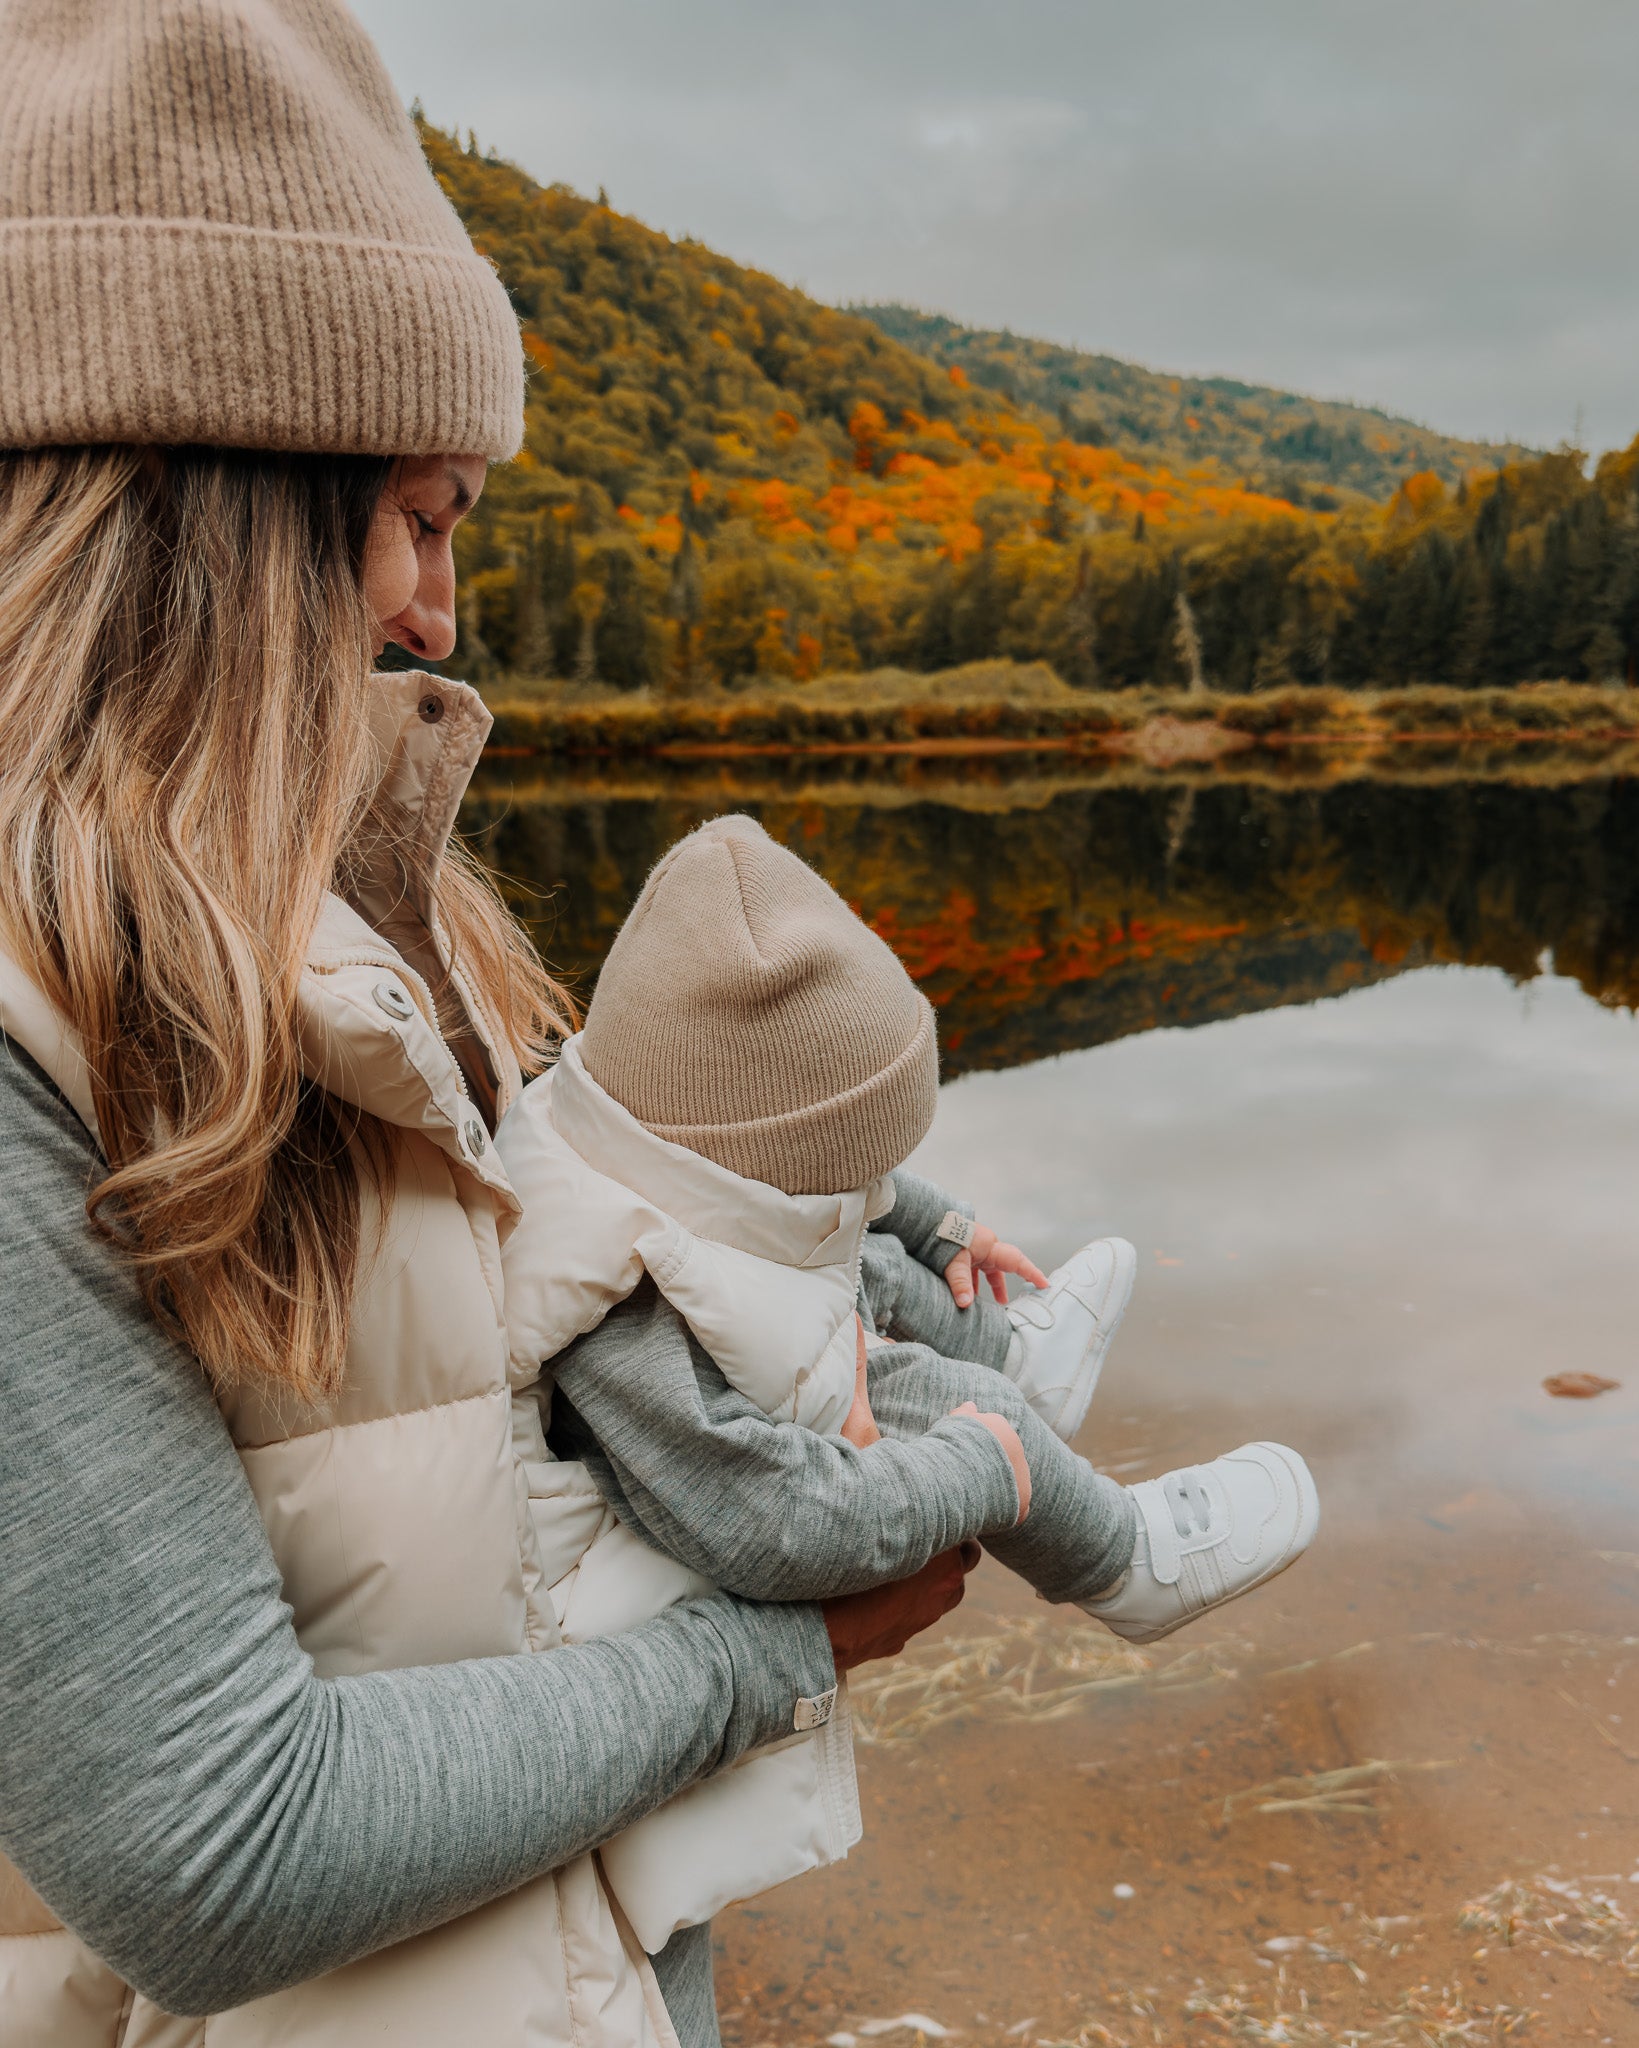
{"points": [[1011, 1260], [959, 1279]]}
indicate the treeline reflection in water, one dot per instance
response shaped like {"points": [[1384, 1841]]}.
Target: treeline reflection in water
{"points": [[1039, 919]]}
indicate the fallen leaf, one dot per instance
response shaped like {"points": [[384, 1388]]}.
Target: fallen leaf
{"points": [[1578, 1386]]}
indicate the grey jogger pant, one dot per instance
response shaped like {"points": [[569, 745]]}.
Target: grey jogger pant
{"points": [[1078, 1537]]}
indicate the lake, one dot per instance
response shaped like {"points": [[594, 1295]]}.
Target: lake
{"points": [[1351, 1062]]}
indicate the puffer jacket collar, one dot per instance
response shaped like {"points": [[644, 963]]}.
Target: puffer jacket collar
{"points": [[366, 1022], [369, 1037]]}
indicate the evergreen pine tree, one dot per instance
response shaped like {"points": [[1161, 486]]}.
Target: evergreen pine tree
{"points": [[1058, 516], [978, 610], [531, 640], [588, 603], [1474, 632], [1079, 661], [623, 651], [473, 657], [683, 609], [935, 629]]}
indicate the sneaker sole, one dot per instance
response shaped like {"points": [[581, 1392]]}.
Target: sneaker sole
{"points": [[1079, 1397], [1308, 1524]]}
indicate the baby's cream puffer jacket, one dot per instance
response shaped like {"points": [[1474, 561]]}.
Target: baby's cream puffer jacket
{"points": [[767, 1282]]}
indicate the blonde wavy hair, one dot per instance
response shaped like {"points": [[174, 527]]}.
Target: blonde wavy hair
{"points": [[185, 769]]}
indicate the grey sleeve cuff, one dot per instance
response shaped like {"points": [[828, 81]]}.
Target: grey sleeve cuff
{"points": [[781, 1656], [919, 1209], [1000, 1510]]}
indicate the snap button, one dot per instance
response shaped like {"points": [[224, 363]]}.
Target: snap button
{"points": [[473, 1137], [431, 708], [391, 998]]}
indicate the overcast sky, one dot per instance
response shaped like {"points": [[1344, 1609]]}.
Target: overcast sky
{"points": [[1426, 205]]}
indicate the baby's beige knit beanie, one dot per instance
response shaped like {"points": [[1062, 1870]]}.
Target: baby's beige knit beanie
{"points": [[216, 226], [745, 1012]]}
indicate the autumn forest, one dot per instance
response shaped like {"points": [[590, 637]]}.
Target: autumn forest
{"points": [[726, 483]]}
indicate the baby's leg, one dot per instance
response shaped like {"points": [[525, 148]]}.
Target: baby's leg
{"points": [[912, 1305], [1078, 1537]]}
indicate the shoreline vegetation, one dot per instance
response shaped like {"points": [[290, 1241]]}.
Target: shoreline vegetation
{"points": [[997, 709]]}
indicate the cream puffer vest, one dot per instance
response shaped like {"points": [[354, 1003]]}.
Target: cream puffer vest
{"points": [[767, 1282], [419, 1519]]}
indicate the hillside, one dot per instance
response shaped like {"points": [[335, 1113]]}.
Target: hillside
{"points": [[1304, 448], [724, 481], [722, 477]]}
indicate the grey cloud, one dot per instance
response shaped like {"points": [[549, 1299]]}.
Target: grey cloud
{"points": [[1425, 207]]}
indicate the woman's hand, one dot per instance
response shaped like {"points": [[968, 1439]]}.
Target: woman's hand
{"points": [[988, 1255], [881, 1622]]}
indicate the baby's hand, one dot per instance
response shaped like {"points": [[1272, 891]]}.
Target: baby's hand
{"points": [[995, 1260], [860, 1429]]}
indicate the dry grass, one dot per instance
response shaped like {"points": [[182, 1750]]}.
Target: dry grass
{"points": [[1030, 1670], [1280, 2014], [1548, 1912], [1041, 1669], [1429, 2016]]}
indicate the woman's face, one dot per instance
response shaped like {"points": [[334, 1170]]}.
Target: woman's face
{"points": [[409, 571]]}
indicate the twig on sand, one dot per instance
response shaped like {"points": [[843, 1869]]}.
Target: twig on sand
{"points": [[1324, 1792], [1599, 1727]]}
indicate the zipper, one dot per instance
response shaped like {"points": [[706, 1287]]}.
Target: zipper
{"points": [[858, 1267]]}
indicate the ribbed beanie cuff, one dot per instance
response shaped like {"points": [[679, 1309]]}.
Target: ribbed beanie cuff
{"points": [[845, 1142], [217, 226], [181, 331]]}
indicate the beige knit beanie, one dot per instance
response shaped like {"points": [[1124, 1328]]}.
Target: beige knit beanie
{"points": [[216, 226], [745, 1012]]}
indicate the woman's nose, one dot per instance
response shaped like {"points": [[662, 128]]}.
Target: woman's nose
{"points": [[427, 631], [426, 626]]}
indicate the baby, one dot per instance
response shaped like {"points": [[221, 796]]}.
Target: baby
{"points": [[770, 1346]]}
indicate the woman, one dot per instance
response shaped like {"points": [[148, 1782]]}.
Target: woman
{"points": [[275, 1730]]}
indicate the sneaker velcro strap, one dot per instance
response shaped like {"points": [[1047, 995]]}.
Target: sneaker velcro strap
{"points": [[1166, 1555]]}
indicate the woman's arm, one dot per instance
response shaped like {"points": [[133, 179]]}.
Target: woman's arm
{"points": [[770, 1510], [180, 1789]]}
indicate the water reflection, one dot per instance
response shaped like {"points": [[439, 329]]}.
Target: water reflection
{"points": [[1371, 1226], [1038, 927]]}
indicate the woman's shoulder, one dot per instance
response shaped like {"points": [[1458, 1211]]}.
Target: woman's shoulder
{"points": [[45, 1146]]}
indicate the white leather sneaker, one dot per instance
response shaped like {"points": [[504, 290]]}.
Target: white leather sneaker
{"points": [[1210, 1533], [1062, 1331]]}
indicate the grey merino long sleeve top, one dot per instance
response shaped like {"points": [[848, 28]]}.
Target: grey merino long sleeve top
{"points": [[175, 1782]]}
